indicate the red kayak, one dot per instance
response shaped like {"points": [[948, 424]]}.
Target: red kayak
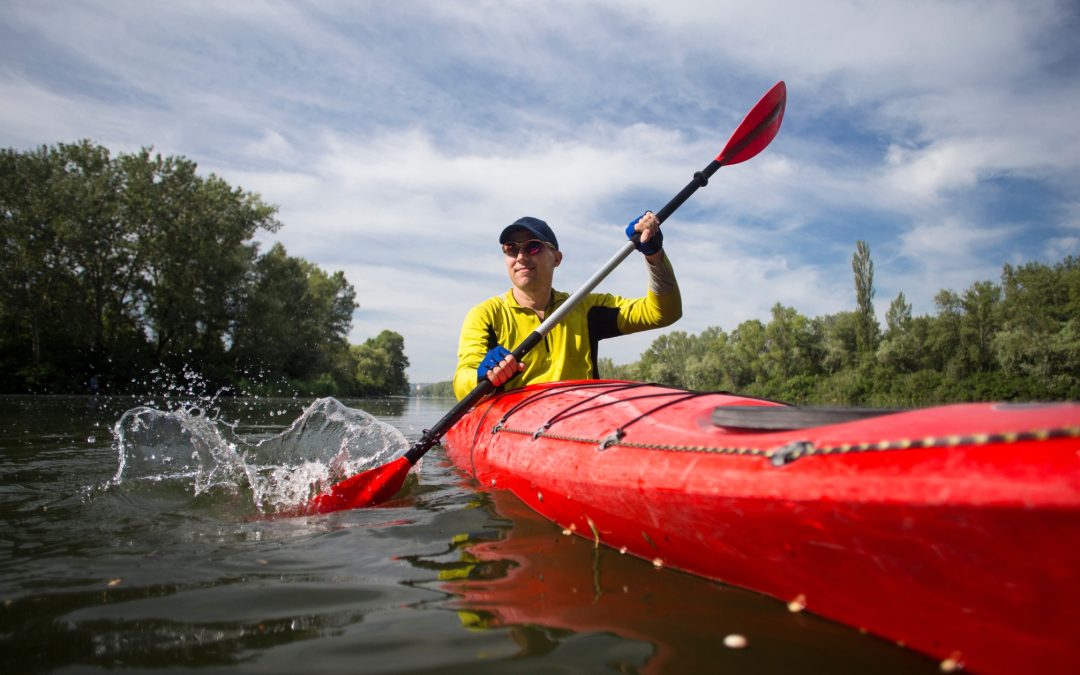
{"points": [[954, 530]]}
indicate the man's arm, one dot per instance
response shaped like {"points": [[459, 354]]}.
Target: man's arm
{"points": [[472, 346], [662, 304]]}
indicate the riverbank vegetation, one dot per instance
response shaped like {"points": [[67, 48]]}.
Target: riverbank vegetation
{"points": [[112, 268], [1017, 340]]}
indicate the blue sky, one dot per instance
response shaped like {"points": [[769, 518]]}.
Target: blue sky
{"points": [[398, 138]]}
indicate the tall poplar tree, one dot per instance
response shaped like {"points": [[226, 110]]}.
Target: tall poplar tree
{"points": [[866, 328]]}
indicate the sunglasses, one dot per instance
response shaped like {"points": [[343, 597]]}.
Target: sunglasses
{"points": [[532, 247]]}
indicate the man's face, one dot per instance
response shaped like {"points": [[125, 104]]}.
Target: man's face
{"points": [[531, 272]]}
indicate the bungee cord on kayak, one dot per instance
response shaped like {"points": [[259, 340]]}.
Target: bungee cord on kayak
{"points": [[783, 454], [672, 395]]}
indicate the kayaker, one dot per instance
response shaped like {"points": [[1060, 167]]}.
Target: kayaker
{"points": [[569, 352]]}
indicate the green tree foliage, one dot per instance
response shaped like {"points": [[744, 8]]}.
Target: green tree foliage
{"points": [[381, 364], [294, 319], [839, 349], [444, 389], [1039, 335], [65, 298], [197, 253], [866, 325], [1014, 341], [899, 347], [114, 266]]}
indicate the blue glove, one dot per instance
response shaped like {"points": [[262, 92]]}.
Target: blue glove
{"points": [[492, 359], [655, 243]]}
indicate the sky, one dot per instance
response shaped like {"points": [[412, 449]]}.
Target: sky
{"points": [[398, 138]]}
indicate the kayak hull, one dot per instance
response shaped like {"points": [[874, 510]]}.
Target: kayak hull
{"points": [[953, 530]]}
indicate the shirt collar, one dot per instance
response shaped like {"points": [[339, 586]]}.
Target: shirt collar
{"points": [[557, 297]]}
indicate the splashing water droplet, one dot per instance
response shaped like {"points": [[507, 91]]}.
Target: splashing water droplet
{"points": [[194, 446]]}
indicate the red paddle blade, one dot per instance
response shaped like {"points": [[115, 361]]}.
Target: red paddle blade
{"points": [[366, 488], [758, 128]]}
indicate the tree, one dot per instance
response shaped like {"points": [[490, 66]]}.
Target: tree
{"points": [[197, 253], [66, 251], [866, 327], [943, 338], [713, 364], [610, 371], [1039, 336], [790, 345], [748, 344], [899, 348], [898, 318], [113, 266], [666, 359], [293, 319], [381, 364], [982, 320], [444, 389], [839, 342]]}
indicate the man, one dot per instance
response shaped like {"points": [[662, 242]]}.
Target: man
{"points": [[531, 254]]}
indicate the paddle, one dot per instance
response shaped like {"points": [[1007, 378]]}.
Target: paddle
{"points": [[376, 485]]}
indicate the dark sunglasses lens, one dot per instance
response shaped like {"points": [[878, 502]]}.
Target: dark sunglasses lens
{"points": [[531, 248]]}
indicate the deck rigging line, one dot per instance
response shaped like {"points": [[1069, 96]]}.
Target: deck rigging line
{"points": [[778, 456]]}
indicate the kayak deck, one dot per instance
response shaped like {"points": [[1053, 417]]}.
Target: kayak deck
{"points": [[954, 530]]}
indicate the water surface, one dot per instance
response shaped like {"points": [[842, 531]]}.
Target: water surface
{"points": [[146, 535]]}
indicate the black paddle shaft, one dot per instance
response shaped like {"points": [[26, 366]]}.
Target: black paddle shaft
{"points": [[701, 179], [431, 436]]}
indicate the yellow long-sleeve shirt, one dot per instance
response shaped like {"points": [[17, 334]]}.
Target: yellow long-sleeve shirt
{"points": [[569, 351]]}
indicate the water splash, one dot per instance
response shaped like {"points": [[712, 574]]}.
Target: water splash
{"points": [[202, 452]]}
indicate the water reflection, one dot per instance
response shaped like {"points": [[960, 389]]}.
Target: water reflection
{"points": [[540, 586]]}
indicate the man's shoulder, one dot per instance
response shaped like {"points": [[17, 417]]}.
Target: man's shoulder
{"points": [[495, 303]]}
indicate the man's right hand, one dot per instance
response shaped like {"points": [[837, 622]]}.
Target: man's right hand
{"points": [[499, 366]]}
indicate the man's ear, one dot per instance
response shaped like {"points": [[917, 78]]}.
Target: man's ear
{"points": [[558, 258]]}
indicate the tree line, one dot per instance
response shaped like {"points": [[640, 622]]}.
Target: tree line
{"points": [[115, 267], [1014, 340]]}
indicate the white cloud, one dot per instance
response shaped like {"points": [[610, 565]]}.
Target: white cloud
{"points": [[928, 172], [949, 254], [1057, 248], [915, 40], [949, 242]]}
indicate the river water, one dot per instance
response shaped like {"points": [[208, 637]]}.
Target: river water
{"points": [[149, 535]]}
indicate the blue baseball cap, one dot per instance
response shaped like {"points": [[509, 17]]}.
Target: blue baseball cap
{"points": [[535, 226]]}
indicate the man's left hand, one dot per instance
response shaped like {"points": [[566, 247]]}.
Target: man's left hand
{"points": [[652, 239]]}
